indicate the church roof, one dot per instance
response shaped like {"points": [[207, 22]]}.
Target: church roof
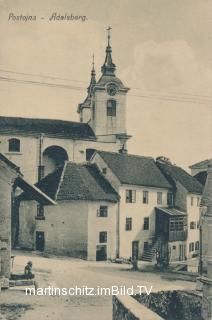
{"points": [[135, 170], [60, 128], [176, 174], [78, 182], [104, 79]]}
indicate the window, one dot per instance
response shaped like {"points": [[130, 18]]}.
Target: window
{"points": [[104, 170], [111, 108], [197, 245], [130, 196], [40, 211], [191, 246], [14, 145], [128, 225], [159, 197], [103, 211], [192, 201], [146, 223], [198, 224], [170, 199], [174, 247], [145, 196], [198, 201], [102, 236], [192, 225], [146, 246], [177, 224]]}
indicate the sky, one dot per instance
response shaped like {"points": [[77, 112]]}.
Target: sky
{"points": [[162, 50]]}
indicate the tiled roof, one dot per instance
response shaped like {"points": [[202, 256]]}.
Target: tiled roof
{"points": [[201, 177], [200, 165], [174, 174], [78, 182], [47, 126], [135, 170]]}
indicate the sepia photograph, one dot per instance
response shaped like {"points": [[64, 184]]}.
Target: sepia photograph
{"points": [[105, 160]]}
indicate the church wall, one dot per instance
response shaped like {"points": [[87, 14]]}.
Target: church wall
{"points": [[26, 159], [102, 124]]}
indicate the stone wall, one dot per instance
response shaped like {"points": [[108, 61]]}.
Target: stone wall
{"points": [[127, 308], [173, 305]]}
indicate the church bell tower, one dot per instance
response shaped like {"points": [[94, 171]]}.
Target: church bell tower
{"points": [[107, 103]]}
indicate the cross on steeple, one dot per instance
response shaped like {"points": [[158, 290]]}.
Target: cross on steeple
{"points": [[108, 34]]}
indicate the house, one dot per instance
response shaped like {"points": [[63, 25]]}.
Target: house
{"points": [[11, 179], [39, 146], [187, 193], [115, 206], [82, 224], [141, 187]]}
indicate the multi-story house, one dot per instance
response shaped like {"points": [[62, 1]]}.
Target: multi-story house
{"points": [[187, 193], [141, 187], [116, 206]]}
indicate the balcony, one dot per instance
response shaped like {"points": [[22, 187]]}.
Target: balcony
{"points": [[180, 235]]}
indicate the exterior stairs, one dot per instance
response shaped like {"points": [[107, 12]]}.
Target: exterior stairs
{"points": [[149, 253]]}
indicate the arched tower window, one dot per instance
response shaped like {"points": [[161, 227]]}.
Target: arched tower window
{"points": [[111, 108], [14, 145]]}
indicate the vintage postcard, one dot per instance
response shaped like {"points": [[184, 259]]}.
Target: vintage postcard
{"points": [[105, 159]]}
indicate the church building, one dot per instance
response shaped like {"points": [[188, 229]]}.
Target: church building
{"points": [[39, 146]]}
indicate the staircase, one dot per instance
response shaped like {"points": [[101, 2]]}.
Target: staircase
{"points": [[149, 253]]}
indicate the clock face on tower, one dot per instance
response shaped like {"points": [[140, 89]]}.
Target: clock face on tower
{"points": [[112, 89]]}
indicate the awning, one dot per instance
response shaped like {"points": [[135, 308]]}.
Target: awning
{"points": [[171, 211], [33, 193]]}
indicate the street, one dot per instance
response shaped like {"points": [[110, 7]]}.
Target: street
{"points": [[65, 272]]}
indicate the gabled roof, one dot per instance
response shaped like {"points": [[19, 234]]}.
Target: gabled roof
{"points": [[174, 174], [78, 182], [135, 170], [201, 177], [28, 188], [10, 163], [60, 128], [200, 165]]}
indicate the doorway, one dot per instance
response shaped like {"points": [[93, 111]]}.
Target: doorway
{"points": [[182, 252], [135, 250], [101, 253], [40, 240]]}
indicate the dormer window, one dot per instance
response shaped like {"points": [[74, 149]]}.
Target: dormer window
{"points": [[111, 108], [14, 145]]}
